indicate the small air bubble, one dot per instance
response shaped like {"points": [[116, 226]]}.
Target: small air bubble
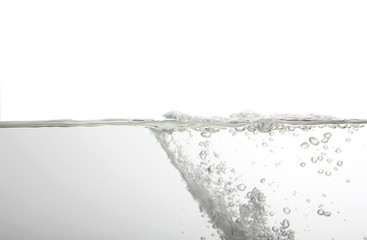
{"points": [[327, 173], [303, 164], [286, 210], [203, 154], [271, 214], [321, 171], [262, 180], [308, 200], [325, 147], [338, 150], [206, 134], [285, 224], [265, 144], [329, 160], [324, 140], [347, 140], [320, 158], [275, 229], [348, 181], [327, 135], [241, 187], [327, 214], [305, 145], [314, 141], [320, 212], [314, 160], [203, 238], [340, 163], [336, 169]]}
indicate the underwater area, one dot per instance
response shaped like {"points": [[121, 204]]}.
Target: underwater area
{"points": [[245, 177]]}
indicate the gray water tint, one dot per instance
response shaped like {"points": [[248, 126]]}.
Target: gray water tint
{"points": [[253, 177]]}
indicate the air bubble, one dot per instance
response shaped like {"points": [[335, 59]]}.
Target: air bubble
{"points": [[329, 160], [320, 158], [314, 141], [321, 171], [203, 154], [308, 200], [327, 214], [203, 238], [305, 145], [327, 173], [324, 140], [348, 181], [265, 144], [262, 180], [338, 150], [286, 210], [285, 224], [320, 212], [347, 140], [327, 135], [303, 164], [241, 187], [211, 168], [314, 160], [340, 163], [275, 229], [206, 134], [325, 147]]}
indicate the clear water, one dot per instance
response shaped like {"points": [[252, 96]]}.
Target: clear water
{"points": [[256, 177]]}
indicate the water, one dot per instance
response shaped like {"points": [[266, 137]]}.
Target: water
{"points": [[256, 177]]}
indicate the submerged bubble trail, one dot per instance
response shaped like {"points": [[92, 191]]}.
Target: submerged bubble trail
{"points": [[242, 196]]}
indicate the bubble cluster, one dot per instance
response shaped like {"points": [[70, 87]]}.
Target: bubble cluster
{"points": [[239, 209]]}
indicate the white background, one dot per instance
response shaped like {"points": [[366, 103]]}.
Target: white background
{"points": [[110, 59]]}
